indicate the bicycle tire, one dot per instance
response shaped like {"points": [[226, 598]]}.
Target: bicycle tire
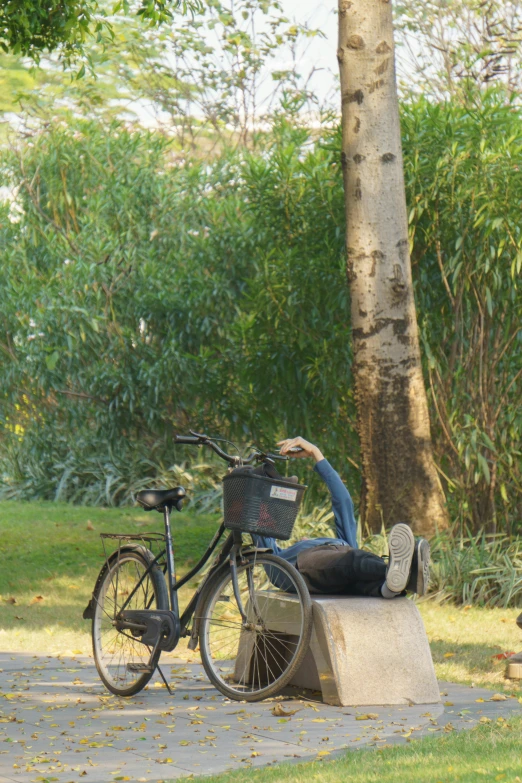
{"points": [[214, 593], [141, 557]]}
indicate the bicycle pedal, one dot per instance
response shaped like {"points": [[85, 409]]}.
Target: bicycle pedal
{"points": [[139, 668]]}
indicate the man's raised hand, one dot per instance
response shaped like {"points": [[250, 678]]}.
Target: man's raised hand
{"points": [[306, 449]]}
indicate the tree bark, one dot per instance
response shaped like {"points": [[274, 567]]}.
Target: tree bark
{"points": [[400, 481]]}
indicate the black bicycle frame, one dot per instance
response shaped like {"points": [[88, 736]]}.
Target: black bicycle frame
{"points": [[169, 569]]}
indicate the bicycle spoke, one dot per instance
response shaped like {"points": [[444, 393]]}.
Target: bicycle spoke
{"points": [[115, 649], [259, 653]]}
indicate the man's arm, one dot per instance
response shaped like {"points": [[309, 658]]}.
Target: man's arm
{"points": [[342, 504]]}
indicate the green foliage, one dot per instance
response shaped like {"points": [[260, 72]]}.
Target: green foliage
{"points": [[30, 27], [463, 172], [14, 78], [204, 78], [145, 294], [146, 291], [477, 570]]}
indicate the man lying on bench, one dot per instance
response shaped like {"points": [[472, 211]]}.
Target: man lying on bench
{"points": [[336, 565]]}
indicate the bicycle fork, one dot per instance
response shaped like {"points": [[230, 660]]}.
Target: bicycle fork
{"points": [[234, 555]]}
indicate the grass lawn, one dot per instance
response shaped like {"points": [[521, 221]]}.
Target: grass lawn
{"points": [[49, 550], [51, 554], [487, 753]]}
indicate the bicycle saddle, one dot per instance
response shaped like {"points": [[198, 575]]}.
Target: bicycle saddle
{"points": [[159, 498]]}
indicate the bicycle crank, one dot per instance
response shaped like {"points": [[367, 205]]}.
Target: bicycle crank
{"points": [[158, 628]]}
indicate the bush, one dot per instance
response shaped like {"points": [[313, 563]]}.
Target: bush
{"points": [[145, 293], [464, 181], [477, 569]]}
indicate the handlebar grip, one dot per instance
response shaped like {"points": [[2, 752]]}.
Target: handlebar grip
{"points": [[186, 439]]}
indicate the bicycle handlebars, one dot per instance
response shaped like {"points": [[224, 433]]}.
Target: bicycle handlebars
{"points": [[196, 439]]}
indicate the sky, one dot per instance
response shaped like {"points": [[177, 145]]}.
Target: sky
{"points": [[320, 52], [320, 15]]}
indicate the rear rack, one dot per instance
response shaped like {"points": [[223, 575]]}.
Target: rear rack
{"points": [[156, 542], [149, 537]]}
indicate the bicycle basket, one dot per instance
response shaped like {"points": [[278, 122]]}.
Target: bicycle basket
{"points": [[259, 504]]}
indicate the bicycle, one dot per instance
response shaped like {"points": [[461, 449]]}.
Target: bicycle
{"points": [[251, 613]]}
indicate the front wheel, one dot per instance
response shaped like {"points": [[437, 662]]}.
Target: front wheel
{"points": [[117, 653], [254, 659]]}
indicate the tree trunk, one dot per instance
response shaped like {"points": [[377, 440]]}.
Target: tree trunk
{"points": [[400, 481]]}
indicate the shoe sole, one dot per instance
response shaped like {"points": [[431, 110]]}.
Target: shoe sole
{"points": [[423, 567], [402, 547]]}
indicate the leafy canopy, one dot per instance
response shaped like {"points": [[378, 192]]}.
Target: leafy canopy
{"points": [[30, 27]]}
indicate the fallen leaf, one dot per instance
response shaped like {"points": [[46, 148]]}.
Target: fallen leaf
{"points": [[367, 716], [448, 704], [89, 525], [37, 599], [449, 655], [480, 701], [254, 754], [502, 656], [279, 711], [498, 697], [483, 719], [323, 753], [10, 600]]}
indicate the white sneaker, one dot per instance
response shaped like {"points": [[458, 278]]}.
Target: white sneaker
{"points": [[401, 544]]}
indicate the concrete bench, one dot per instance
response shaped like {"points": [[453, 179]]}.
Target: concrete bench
{"points": [[363, 651]]}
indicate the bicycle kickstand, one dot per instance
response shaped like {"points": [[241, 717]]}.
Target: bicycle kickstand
{"points": [[167, 686], [147, 667]]}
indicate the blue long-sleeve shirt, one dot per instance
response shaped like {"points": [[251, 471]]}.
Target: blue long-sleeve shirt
{"points": [[345, 524]]}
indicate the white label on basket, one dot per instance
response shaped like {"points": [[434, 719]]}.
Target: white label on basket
{"points": [[283, 493]]}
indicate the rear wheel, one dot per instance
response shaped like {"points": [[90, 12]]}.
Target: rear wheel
{"points": [[253, 660], [115, 652]]}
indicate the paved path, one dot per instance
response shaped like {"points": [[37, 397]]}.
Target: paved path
{"points": [[58, 723]]}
